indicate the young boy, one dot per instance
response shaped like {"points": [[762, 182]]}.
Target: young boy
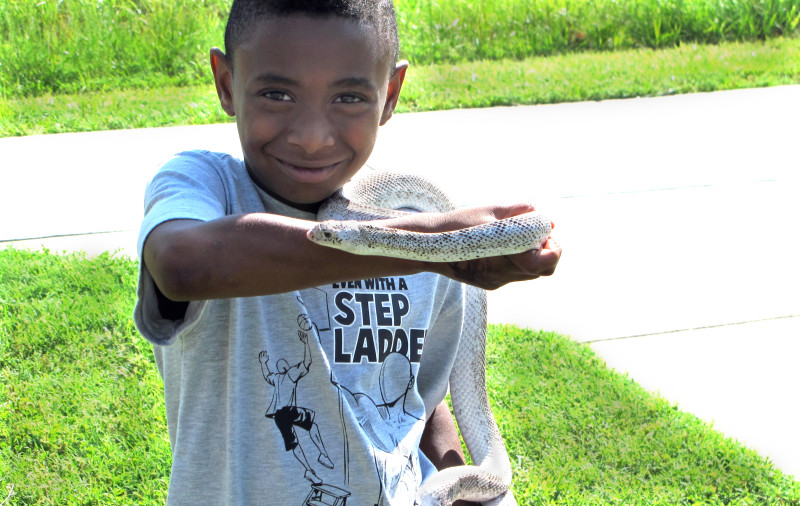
{"points": [[291, 371]]}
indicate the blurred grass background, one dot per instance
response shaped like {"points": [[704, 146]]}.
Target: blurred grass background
{"points": [[69, 46]]}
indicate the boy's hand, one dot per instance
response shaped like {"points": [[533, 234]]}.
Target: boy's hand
{"points": [[494, 272]]}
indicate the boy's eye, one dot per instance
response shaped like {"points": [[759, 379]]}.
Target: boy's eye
{"points": [[349, 99], [276, 95]]}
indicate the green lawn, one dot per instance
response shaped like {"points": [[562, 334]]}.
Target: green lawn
{"points": [[67, 46], [82, 415]]}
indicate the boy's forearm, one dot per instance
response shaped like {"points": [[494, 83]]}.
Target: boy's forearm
{"points": [[440, 441], [250, 255], [441, 444]]}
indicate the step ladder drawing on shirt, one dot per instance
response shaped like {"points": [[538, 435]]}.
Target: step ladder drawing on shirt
{"points": [[326, 495]]}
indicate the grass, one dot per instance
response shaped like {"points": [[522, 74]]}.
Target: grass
{"points": [[562, 78], [81, 410], [601, 76], [82, 415], [112, 110], [65, 46], [463, 30], [69, 46]]}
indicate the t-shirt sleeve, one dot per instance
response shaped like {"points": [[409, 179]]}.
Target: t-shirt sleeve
{"points": [[191, 187], [187, 187]]}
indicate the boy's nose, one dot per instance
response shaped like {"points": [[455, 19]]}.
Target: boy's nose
{"points": [[311, 131]]}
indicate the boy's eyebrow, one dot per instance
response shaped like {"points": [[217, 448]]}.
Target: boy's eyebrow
{"points": [[352, 82], [271, 77], [355, 82]]}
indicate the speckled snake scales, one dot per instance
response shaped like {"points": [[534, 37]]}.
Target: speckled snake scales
{"points": [[378, 195]]}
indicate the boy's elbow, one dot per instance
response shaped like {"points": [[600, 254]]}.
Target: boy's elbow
{"points": [[172, 262], [177, 282]]}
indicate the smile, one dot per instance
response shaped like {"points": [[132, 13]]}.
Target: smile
{"points": [[313, 173]]}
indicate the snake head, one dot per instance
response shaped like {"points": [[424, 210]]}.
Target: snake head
{"points": [[347, 235], [330, 233], [323, 233]]}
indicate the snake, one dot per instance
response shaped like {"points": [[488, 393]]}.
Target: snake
{"points": [[347, 223]]}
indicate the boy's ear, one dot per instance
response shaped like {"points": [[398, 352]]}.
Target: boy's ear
{"points": [[223, 80], [393, 95]]}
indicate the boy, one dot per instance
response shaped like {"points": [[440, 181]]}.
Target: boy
{"points": [[291, 371]]}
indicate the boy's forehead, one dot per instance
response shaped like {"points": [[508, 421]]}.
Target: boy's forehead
{"points": [[305, 40]]}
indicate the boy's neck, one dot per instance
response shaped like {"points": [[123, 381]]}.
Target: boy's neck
{"points": [[308, 208]]}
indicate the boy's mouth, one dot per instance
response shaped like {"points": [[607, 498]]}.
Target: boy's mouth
{"points": [[306, 172]]}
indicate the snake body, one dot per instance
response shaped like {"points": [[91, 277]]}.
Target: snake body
{"points": [[381, 195], [504, 237]]}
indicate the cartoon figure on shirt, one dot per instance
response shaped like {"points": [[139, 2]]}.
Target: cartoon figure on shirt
{"points": [[284, 410], [396, 460]]}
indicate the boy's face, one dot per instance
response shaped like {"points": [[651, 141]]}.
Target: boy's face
{"points": [[308, 95]]}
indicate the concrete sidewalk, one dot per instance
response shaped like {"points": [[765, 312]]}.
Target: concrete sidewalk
{"points": [[676, 216]]}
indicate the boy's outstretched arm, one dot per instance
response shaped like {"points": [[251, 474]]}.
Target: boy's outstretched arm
{"points": [[261, 254]]}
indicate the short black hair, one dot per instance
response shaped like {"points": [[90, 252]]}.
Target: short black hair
{"points": [[378, 13]]}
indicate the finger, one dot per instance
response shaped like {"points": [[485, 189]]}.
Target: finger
{"points": [[552, 245], [509, 210], [522, 208], [550, 256], [539, 262]]}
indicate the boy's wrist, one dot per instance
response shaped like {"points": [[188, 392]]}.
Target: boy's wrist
{"points": [[440, 268]]}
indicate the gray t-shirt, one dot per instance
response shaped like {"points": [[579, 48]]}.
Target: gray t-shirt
{"points": [[318, 394]]}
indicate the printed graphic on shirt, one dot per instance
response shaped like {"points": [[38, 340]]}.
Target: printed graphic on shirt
{"points": [[390, 428], [378, 318], [373, 344], [285, 412], [373, 329]]}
